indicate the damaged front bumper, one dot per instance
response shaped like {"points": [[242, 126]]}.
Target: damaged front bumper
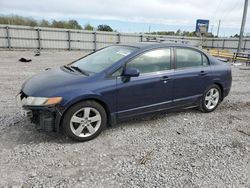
{"points": [[46, 118]]}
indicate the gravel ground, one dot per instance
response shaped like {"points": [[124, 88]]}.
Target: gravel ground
{"points": [[181, 149]]}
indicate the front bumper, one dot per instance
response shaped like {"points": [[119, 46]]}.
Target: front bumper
{"points": [[46, 118]]}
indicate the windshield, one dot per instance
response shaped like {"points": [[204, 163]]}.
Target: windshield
{"points": [[102, 59]]}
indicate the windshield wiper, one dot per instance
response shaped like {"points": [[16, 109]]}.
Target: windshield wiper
{"points": [[80, 70], [67, 67]]}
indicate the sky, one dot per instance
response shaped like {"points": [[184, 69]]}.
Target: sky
{"points": [[136, 15]]}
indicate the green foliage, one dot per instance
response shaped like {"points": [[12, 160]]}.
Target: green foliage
{"points": [[88, 27], [236, 36], [104, 28], [44, 23], [71, 24], [177, 33], [19, 20]]}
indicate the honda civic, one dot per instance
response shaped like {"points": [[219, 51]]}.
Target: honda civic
{"points": [[123, 81]]}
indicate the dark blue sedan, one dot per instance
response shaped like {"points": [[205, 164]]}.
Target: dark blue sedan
{"points": [[123, 81]]}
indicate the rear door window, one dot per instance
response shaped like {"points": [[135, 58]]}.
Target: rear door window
{"points": [[188, 58]]}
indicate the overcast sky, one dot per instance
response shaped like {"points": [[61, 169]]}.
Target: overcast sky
{"points": [[135, 15]]}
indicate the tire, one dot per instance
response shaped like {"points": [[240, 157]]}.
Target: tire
{"points": [[84, 121], [214, 99]]}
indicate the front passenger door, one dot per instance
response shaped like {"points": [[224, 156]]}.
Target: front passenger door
{"points": [[152, 90]]}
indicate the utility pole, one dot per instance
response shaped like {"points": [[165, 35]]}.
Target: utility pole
{"points": [[242, 26], [218, 30], [212, 27]]}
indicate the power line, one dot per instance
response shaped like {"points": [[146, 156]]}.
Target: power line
{"points": [[216, 10], [235, 5]]}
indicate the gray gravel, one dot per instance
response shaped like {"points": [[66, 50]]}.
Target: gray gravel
{"points": [[181, 149]]}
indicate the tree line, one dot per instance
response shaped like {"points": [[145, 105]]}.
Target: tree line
{"points": [[173, 33], [70, 24], [73, 24]]}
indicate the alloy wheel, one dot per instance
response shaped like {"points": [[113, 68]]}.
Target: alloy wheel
{"points": [[85, 122], [212, 98]]}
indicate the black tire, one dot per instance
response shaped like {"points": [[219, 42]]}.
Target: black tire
{"points": [[203, 106], [66, 125]]}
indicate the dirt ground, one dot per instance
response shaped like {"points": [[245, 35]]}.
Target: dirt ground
{"points": [[180, 149]]}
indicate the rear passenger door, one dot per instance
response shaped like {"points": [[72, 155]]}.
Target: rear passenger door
{"points": [[192, 75]]}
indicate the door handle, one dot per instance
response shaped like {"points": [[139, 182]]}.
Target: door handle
{"points": [[202, 73], [165, 79]]}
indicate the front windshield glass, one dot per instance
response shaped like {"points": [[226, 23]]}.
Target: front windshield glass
{"points": [[102, 59]]}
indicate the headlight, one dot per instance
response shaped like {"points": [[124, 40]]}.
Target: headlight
{"points": [[41, 101]]}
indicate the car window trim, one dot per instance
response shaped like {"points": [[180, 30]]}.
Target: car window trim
{"points": [[143, 52], [204, 55], [156, 73]]}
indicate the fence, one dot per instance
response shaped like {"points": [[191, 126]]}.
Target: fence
{"points": [[230, 44], [22, 37]]}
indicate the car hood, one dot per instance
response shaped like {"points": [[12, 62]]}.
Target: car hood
{"points": [[50, 82]]}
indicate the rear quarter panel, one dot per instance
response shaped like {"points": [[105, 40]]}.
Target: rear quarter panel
{"points": [[222, 75]]}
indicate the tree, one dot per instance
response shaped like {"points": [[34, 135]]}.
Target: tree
{"points": [[58, 24], [73, 24], [178, 32], [32, 22], [104, 28], [236, 35], [28, 21], [88, 27], [17, 20], [44, 23]]}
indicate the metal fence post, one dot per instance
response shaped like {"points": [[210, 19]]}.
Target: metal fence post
{"points": [[244, 47], [95, 42], [223, 44], [8, 37], [69, 40], [118, 38], [39, 38]]}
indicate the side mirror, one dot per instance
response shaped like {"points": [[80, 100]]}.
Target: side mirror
{"points": [[131, 72]]}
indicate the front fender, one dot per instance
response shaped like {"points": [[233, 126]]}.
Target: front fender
{"points": [[80, 97], [87, 95]]}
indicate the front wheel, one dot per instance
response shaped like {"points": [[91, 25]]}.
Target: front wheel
{"points": [[84, 121], [210, 99]]}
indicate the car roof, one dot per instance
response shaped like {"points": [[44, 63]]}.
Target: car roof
{"points": [[148, 45]]}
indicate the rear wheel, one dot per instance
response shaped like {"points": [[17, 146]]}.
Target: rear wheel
{"points": [[84, 121], [210, 99]]}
